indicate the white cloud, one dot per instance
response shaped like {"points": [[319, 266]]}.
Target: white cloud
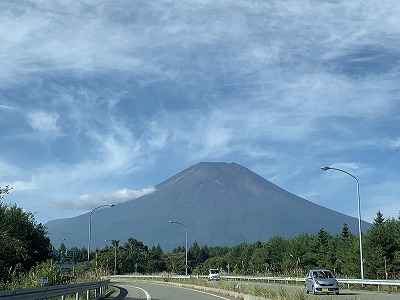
{"points": [[22, 186], [44, 122], [88, 201], [127, 194]]}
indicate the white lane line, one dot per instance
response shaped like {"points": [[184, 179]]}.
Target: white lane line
{"points": [[199, 291], [148, 297]]}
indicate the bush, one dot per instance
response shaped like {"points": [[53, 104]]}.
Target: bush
{"points": [[46, 270]]}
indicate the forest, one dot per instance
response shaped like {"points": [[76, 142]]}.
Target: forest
{"points": [[27, 253], [279, 256]]}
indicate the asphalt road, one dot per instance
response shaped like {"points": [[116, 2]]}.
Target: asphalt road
{"points": [[152, 291], [135, 290]]}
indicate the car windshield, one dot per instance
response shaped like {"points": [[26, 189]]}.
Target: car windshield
{"points": [[214, 271], [323, 274]]}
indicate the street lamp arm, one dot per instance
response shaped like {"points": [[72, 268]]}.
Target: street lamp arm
{"points": [[105, 205], [324, 168], [173, 222]]}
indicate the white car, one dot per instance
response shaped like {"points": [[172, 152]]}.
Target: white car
{"points": [[213, 274]]}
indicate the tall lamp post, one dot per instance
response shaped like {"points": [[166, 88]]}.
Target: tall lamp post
{"points": [[186, 245], [115, 256], [90, 229], [324, 168]]}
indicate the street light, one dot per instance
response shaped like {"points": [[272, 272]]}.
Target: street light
{"points": [[324, 168], [90, 229], [186, 244], [115, 256]]}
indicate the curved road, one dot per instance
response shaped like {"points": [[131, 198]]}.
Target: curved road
{"points": [[135, 290], [155, 291]]}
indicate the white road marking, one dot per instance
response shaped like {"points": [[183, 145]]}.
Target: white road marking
{"points": [[148, 297], [210, 294]]}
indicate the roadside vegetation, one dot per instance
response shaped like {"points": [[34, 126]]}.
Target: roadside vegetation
{"points": [[27, 254], [279, 292]]}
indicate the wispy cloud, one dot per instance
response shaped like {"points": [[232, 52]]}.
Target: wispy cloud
{"points": [[395, 143], [115, 90]]}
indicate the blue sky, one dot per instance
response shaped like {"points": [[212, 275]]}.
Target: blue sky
{"points": [[102, 100]]}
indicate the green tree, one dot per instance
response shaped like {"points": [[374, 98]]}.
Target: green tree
{"points": [[347, 256], [324, 249], [131, 257], [345, 232], [379, 219], [381, 245], [199, 258], [154, 262], [218, 250], [238, 258], [299, 252], [175, 261], [194, 255], [275, 252], [216, 262], [24, 242], [258, 257]]}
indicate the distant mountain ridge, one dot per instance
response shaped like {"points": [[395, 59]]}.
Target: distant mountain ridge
{"points": [[219, 203]]}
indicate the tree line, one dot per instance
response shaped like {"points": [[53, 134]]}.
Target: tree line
{"points": [[279, 256], [25, 246]]}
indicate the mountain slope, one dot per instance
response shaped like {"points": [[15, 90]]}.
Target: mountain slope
{"points": [[220, 204]]}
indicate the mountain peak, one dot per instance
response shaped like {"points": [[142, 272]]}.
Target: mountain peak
{"points": [[219, 203]]}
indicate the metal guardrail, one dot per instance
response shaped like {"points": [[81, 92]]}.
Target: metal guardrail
{"points": [[377, 283], [56, 290], [374, 282]]}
